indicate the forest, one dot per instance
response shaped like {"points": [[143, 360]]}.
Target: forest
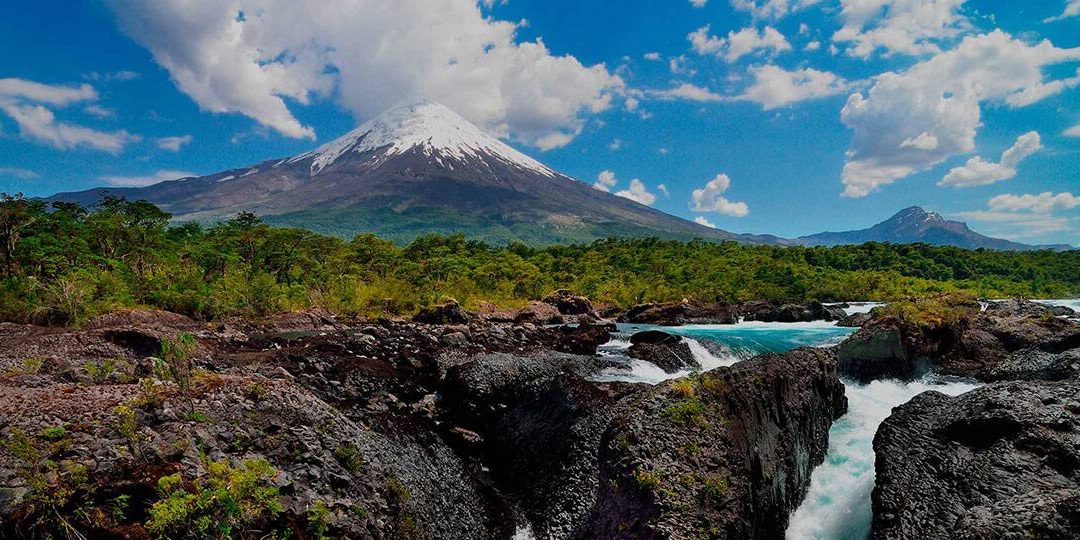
{"points": [[62, 263]]}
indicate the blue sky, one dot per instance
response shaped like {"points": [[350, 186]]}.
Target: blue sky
{"points": [[770, 116]]}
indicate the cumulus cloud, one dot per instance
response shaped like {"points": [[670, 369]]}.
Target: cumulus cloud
{"points": [[1072, 9], [698, 3], [605, 181], [662, 188], [771, 9], [25, 102], [638, 193], [700, 220], [1072, 132], [775, 87], [979, 172], [146, 180], [173, 144], [652, 56], [710, 199], [1040, 91], [908, 122], [738, 44], [912, 27], [258, 57]]}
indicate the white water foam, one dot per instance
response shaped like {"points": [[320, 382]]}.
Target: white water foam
{"points": [[837, 506], [1072, 303], [861, 307], [641, 371]]}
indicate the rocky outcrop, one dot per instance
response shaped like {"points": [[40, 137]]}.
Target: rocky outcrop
{"points": [[569, 303], [667, 351], [539, 313], [777, 312], [727, 454], [679, 313], [991, 345], [997, 462], [448, 313], [855, 320], [583, 338], [1027, 307]]}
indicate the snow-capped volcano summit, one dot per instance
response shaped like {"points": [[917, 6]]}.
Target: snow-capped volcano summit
{"points": [[417, 168], [427, 126]]}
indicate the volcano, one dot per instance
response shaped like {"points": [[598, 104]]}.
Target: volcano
{"points": [[417, 168]]}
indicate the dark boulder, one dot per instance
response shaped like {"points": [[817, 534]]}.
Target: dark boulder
{"points": [[668, 352], [583, 338], [788, 313], [1026, 307], [1000, 461], [539, 313], [679, 313], [653, 337], [875, 352], [448, 313], [568, 303], [855, 320]]}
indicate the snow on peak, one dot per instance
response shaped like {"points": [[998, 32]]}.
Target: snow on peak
{"points": [[433, 128]]}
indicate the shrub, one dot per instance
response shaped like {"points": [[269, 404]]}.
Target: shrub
{"points": [[645, 480], [683, 388], [715, 487], [687, 412], [349, 456], [218, 505]]}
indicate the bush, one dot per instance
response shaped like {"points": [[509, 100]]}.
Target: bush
{"points": [[218, 505]]}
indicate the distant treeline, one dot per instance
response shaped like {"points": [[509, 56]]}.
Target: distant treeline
{"points": [[64, 263]]}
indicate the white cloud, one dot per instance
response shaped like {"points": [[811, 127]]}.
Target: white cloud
{"points": [[57, 95], [1040, 91], [40, 124], [98, 111], [700, 220], [1027, 215], [1043, 203], [652, 56], [689, 92], [369, 55], [637, 193], [605, 181], [911, 121], [710, 199], [615, 144], [979, 172], [738, 44], [812, 46], [771, 9], [173, 144], [662, 188], [1072, 9], [17, 172], [677, 65], [139, 181], [775, 87], [24, 101], [698, 3], [1072, 132], [910, 27]]}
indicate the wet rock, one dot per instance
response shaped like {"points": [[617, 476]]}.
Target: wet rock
{"points": [[1021, 307], [788, 313], [584, 338], [1000, 461], [569, 303], [876, 352], [448, 313], [855, 320], [679, 313], [668, 352]]}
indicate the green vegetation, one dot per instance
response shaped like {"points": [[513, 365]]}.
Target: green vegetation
{"points": [[349, 456], [645, 480], [63, 264], [225, 501], [687, 412]]}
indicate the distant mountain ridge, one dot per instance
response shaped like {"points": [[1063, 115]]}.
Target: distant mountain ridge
{"points": [[418, 168], [913, 225]]}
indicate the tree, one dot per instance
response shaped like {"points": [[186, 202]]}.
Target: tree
{"points": [[16, 214]]}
